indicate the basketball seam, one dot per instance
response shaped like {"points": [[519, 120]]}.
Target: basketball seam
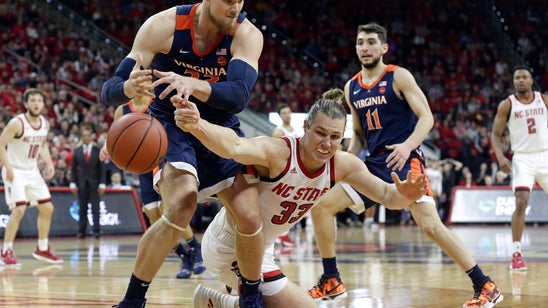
{"points": [[154, 163], [140, 142]]}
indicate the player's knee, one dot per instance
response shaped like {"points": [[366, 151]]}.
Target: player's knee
{"points": [[45, 208], [18, 212], [247, 222]]}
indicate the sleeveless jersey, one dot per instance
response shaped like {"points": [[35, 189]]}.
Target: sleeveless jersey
{"points": [[285, 200], [288, 133], [23, 151], [528, 124], [129, 108], [185, 59], [384, 117]]}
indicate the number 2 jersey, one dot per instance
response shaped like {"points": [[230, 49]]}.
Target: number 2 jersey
{"points": [[286, 199], [23, 151], [528, 124], [385, 118]]}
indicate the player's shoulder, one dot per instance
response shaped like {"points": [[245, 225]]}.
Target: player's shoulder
{"points": [[544, 97], [162, 20], [247, 29]]}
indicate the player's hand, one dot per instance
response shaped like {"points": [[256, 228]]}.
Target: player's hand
{"points": [[411, 189], [182, 85], [139, 82], [399, 156], [103, 154], [9, 174], [186, 113], [505, 165], [50, 172]]}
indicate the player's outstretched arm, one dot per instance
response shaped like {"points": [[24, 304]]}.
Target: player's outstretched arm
{"points": [[393, 196], [221, 140]]}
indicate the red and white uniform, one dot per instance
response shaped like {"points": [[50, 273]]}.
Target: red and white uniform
{"points": [[284, 201], [28, 186], [287, 132], [528, 127]]}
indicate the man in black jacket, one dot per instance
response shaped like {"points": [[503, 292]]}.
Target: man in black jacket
{"points": [[88, 181]]}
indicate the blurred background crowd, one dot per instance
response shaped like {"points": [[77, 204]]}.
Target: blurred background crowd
{"points": [[461, 53]]}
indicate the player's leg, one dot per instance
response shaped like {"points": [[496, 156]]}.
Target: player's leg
{"points": [[178, 188], [427, 218], [38, 194], [43, 251], [16, 214], [218, 246], [524, 169], [242, 202], [191, 258], [330, 285], [16, 200], [291, 295]]}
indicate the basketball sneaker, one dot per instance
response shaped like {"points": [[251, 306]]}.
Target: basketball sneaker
{"points": [[198, 266], [132, 303], [8, 259], [46, 255], [251, 301], [517, 262], [205, 297], [328, 288], [486, 296], [285, 241], [186, 266]]}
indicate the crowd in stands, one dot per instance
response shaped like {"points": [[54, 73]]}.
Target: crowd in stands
{"points": [[453, 48]]}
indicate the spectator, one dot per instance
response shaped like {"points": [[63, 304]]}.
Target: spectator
{"points": [[88, 183]]}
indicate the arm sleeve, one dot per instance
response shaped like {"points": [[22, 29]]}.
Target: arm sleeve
{"points": [[112, 93], [233, 94]]}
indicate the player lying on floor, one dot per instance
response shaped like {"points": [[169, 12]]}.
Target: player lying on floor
{"points": [[293, 174]]}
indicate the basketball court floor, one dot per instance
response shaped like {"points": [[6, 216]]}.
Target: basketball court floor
{"points": [[388, 267]]}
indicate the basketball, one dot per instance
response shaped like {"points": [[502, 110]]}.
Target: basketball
{"points": [[136, 143]]}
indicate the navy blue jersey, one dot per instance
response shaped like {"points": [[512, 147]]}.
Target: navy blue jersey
{"points": [[385, 118], [214, 173], [186, 60]]}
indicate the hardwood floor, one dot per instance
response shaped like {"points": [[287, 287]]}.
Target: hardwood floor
{"points": [[389, 267]]}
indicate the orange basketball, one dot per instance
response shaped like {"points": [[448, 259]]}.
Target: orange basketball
{"points": [[136, 143]]}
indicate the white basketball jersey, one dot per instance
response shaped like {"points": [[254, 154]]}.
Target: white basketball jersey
{"points": [[285, 199], [288, 133], [528, 124], [23, 151]]}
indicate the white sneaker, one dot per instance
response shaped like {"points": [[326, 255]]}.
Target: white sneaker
{"points": [[205, 297]]}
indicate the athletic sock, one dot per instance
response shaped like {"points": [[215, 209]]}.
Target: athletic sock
{"points": [[193, 242], [137, 288], [517, 246], [180, 250], [249, 287], [330, 267], [477, 276]]}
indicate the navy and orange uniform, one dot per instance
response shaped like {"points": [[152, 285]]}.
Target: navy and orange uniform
{"points": [[185, 59], [386, 119], [129, 108]]}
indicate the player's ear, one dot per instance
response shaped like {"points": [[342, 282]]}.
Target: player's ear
{"points": [[306, 125]]}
